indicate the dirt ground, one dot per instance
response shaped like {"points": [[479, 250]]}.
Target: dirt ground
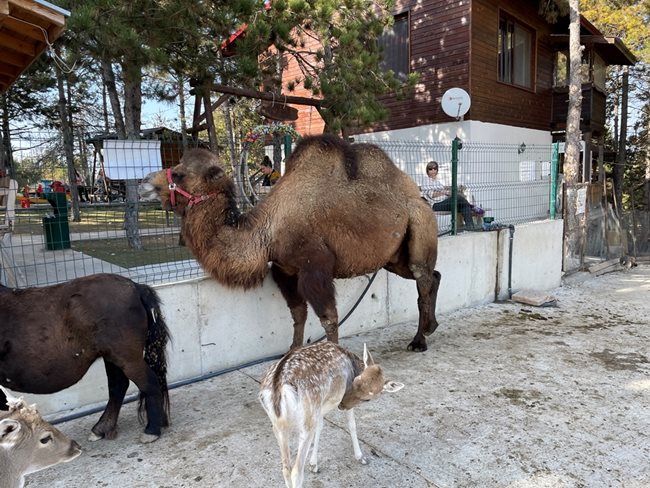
{"points": [[506, 396]]}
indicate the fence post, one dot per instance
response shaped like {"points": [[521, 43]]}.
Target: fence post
{"points": [[555, 158], [455, 146], [287, 147]]}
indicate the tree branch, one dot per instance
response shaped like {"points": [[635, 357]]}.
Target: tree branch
{"points": [[244, 92]]}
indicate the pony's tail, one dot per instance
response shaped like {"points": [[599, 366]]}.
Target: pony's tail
{"points": [[155, 346]]}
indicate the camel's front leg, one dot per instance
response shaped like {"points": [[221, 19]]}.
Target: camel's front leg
{"points": [[316, 284], [288, 285]]}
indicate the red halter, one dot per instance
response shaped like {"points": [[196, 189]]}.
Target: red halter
{"points": [[191, 199]]}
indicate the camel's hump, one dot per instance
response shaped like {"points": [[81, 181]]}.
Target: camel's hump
{"points": [[312, 149]]}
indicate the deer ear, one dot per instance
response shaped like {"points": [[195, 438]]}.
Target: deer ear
{"points": [[367, 357], [392, 386], [9, 432]]}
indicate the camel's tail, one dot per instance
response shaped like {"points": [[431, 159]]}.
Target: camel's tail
{"points": [[155, 345]]}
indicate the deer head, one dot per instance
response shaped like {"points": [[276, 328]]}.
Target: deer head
{"points": [[29, 444], [369, 384]]}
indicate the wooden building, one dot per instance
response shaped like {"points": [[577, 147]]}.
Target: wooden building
{"points": [[504, 54]]}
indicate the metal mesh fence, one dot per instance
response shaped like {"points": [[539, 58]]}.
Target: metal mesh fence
{"points": [[508, 183], [610, 236], [55, 240]]}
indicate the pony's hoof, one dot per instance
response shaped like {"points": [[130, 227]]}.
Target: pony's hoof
{"points": [[313, 468], [148, 438], [417, 346], [94, 437], [362, 460]]}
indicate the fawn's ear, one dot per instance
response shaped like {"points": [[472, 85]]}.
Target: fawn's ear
{"points": [[392, 386], [9, 433]]}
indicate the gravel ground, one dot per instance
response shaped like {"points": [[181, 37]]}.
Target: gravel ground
{"points": [[507, 395]]}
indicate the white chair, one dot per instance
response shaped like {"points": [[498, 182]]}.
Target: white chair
{"points": [[7, 219]]}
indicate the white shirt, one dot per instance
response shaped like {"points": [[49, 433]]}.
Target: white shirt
{"points": [[431, 186]]}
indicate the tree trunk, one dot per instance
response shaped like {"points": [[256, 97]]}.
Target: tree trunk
{"points": [[278, 142], [68, 141], [109, 82], [209, 120], [132, 101], [6, 154], [132, 75], [131, 211], [619, 167], [573, 222], [105, 108], [181, 108], [645, 207]]}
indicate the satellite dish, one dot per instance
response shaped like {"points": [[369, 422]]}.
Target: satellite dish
{"points": [[455, 102]]}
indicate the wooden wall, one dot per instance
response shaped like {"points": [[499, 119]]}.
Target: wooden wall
{"points": [[501, 103], [440, 46]]}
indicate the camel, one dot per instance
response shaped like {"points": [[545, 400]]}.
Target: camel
{"points": [[340, 210]]}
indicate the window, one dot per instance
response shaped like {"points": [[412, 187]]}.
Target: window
{"points": [[561, 70], [515, 53], [394, 45]]}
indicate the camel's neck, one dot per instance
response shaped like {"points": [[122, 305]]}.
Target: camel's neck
{"points": [[232, 247]]}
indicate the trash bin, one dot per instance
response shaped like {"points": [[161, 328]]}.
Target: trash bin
{"points": [[56, 227]]}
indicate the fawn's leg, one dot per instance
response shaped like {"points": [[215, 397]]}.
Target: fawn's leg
{"points": [[352, 426], [313, 460], [285, 454], [298, 472]]}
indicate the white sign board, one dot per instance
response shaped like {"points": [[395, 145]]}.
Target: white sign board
{"points": [[131, 160]]}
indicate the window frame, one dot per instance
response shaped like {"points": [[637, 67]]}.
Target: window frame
{"points": [[513, 22], [391, 64]]}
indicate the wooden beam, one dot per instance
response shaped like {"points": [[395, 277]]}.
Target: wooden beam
{"points": [[10, 42], [4, 10], [14, 59], [6, 79], [271, 97], [8, 70], [197, 127], [40, 11], [24, 29]]}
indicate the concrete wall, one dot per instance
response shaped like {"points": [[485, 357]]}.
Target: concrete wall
{"points": [[213, 327]]}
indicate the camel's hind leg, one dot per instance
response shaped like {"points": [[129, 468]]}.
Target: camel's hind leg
{"points": [[417, 260], [288, 285], [427, 297], [118, 383]]}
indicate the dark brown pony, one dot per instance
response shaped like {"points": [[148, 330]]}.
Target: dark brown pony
{"points": [[50, 336]]}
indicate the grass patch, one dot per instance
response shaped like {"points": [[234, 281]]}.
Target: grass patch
{"points": [[94, 218], [161, 248]]}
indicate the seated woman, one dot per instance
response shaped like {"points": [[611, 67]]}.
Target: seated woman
{"points": [[270, 175], [439, 196]]}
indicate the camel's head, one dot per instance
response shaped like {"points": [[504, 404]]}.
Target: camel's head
{"points": [[197, 177]]}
